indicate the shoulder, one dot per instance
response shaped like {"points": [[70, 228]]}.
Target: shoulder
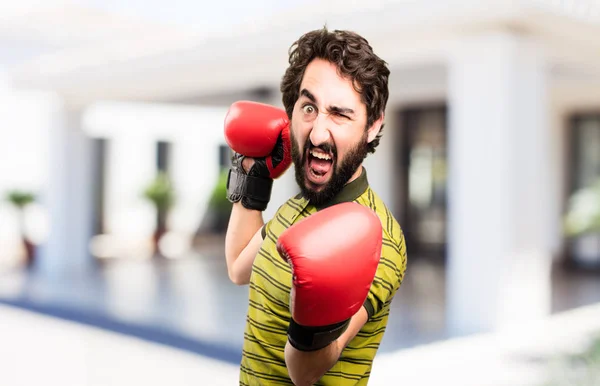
{"points": [[392, 264], [292, 208], [394, 247], [286, 214], [392, 231]]}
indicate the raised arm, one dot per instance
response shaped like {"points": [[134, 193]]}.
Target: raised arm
{"points": [[259, 136], [242, 242]]}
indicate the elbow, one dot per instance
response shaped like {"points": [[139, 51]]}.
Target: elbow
{"points": [[303, 380], [308, 367], [236, 278]]}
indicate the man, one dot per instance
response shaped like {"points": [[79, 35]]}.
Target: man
{"points": [[334, 92]]}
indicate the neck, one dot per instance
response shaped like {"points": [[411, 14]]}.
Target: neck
{"points": [[355, 175]]}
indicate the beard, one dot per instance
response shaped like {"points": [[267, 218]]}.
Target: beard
{"points": [[342, 170]]}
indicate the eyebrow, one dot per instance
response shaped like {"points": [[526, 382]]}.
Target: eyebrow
{"points": [[335, 109]]}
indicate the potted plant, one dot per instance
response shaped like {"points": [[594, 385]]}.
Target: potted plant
{"points": [[20, 199], [219, 204], [582, 225], [161, 194], [216, 217]]}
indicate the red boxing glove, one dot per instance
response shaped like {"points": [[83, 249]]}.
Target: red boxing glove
{"points": [[262, 132], [258, 130], [334, 255]]}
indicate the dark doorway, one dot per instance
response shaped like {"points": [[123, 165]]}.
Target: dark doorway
{"points": [[423, 163], [583, 249], [99, 151], [224, 157], [163, 156]]}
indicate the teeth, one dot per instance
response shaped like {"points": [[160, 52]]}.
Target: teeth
{"points": [[320, 155]]}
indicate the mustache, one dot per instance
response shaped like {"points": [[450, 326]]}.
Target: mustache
{"points": [[325, 147]]}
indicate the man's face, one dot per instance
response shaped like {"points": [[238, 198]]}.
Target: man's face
{"points": [[328, 132]]}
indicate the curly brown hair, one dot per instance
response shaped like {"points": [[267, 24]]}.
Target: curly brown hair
{"points": [[353, 56]]}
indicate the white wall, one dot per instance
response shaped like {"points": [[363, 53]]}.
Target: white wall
{"points": [[133, 129], [409, 86], [27, 122], [380, 165]]}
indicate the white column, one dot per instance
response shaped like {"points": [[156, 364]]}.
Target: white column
{"points": [[28, 121], [131, 167], [68, 196], [499, 258]]}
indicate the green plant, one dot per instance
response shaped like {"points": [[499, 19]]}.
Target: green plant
{"points": [[218, 199], [160, 192], [583, 214], [19, 198], [218, 210]]}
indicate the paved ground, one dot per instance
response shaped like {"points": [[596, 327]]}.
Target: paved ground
{"points": [[527, 356], [191, 304], [41, 350], [197, 315], [192, 300]]}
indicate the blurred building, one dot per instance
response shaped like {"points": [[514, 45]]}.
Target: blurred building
{"points": [[493, 122]]}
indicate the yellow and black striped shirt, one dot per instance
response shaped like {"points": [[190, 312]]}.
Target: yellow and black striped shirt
{"points": [[268, 315]]}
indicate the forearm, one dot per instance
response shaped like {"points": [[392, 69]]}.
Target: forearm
{"points": [[258, 135], [307, 367], [243, 225]]}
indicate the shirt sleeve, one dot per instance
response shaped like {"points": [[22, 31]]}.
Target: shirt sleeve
{"points": [[388, 277], [263, 230]]}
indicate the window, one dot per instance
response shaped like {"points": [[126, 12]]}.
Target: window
{"points": [[584, 171], [99, 154], [224, 156], [422, 183], [163, 152], [585, 151]]}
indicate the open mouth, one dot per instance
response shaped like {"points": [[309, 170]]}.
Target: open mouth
{"points": [[319, 166]]}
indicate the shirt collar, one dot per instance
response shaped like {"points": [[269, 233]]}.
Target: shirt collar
{"points": [[350, 191]]}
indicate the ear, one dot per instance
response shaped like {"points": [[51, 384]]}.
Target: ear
{"points": [[374, 129]]}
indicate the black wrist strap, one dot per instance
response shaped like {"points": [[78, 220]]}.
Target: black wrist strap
{"points": [[254, 192], [306, 338]]}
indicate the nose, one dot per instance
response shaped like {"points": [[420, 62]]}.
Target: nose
{"points": [[320, 132]]}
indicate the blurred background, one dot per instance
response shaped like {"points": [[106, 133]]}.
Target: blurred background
{"points": [[113, 167]]}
